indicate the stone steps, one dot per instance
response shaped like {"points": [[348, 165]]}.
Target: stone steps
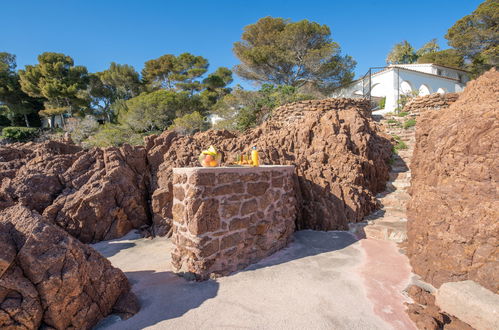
{"points": [[390, 222]]}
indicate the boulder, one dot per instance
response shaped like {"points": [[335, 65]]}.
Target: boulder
{"points": [[471, 303], [453, 232], [93, 194], [50, 279], [427, 316], [105, 196]]}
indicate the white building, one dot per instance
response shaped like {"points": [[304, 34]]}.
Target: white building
{"points": [[395, 81]]}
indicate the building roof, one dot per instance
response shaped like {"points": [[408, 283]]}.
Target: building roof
{"points": [[432, 64]]}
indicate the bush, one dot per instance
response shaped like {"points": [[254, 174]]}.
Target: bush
{"points": [[399, 146], [115, 135], [190, 123], [382, 103], [402, 114], [81, 129], [409, 123], [20, 133]]}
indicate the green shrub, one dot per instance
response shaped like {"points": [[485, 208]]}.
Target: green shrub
{"points": [[400, 145], [392, 121], [409, 123], [190, 123], [402, 114], [382, 103], [115, 135], [20, 133], [81, 129]]}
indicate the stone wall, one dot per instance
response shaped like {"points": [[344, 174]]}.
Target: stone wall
{"points": [[292, 112], [227, 218], [434, 101]]}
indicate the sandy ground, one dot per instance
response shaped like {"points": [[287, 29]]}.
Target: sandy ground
{"points": [[322, 280]]}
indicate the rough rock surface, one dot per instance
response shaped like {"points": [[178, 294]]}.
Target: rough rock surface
{"points": [[434, 101], [50, 279], [453, 232], [470, 302], [94, 195], [427, 316], [340, 157]]}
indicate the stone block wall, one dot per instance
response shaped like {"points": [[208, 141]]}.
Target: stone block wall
{"points": [[434, 101], [295, 111], [226, 218]]}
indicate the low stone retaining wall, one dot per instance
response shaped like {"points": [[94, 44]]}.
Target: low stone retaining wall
{"points": [[226, 218], [434, 101]]}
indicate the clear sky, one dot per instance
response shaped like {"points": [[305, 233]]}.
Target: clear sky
{"points": [[97, 32]]}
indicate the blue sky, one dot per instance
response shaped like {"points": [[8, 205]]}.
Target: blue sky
{"points": [[96, 33]]}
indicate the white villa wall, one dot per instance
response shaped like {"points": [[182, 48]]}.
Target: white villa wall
{"points": [[396, 81]]}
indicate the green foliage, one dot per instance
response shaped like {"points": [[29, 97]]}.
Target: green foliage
{"points": [[402, 53], [83, 128], [20, 133], [392, 121], [400, 145], [281, 52], [114, 135], [476, 36], [56, 79], [15, 102], [402, 114], [409, 123], [447, 57], [243, 109], [428, 48], [175, 72], [156, 110], [216, 86], [119, 82], [190, 123], [382, 103]]}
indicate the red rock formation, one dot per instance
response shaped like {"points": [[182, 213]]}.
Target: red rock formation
{"points": [[453, 227], [95, 195], [50, 279], [99, 194], [105, 195], [340, 156], [427, 316]]}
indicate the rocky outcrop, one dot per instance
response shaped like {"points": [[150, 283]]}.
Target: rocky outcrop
{"points": [[105, 195], [434, 101], [94, 195], [428, 316], [339, 153], [49, 279], [453, 232], [340, 157]]}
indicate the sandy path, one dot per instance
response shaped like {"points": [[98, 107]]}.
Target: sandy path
{"points": [[318, 282]]}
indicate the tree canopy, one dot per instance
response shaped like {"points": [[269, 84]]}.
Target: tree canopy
{"points": [[447, 57], [281, 52], [402, 53], [56, 79], [15, 101], [119, 82], [476, 36], [156, 110], [175, 72]]}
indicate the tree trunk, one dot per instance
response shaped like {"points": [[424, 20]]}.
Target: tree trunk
{"points": [[26, 120], [52, 121]]}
